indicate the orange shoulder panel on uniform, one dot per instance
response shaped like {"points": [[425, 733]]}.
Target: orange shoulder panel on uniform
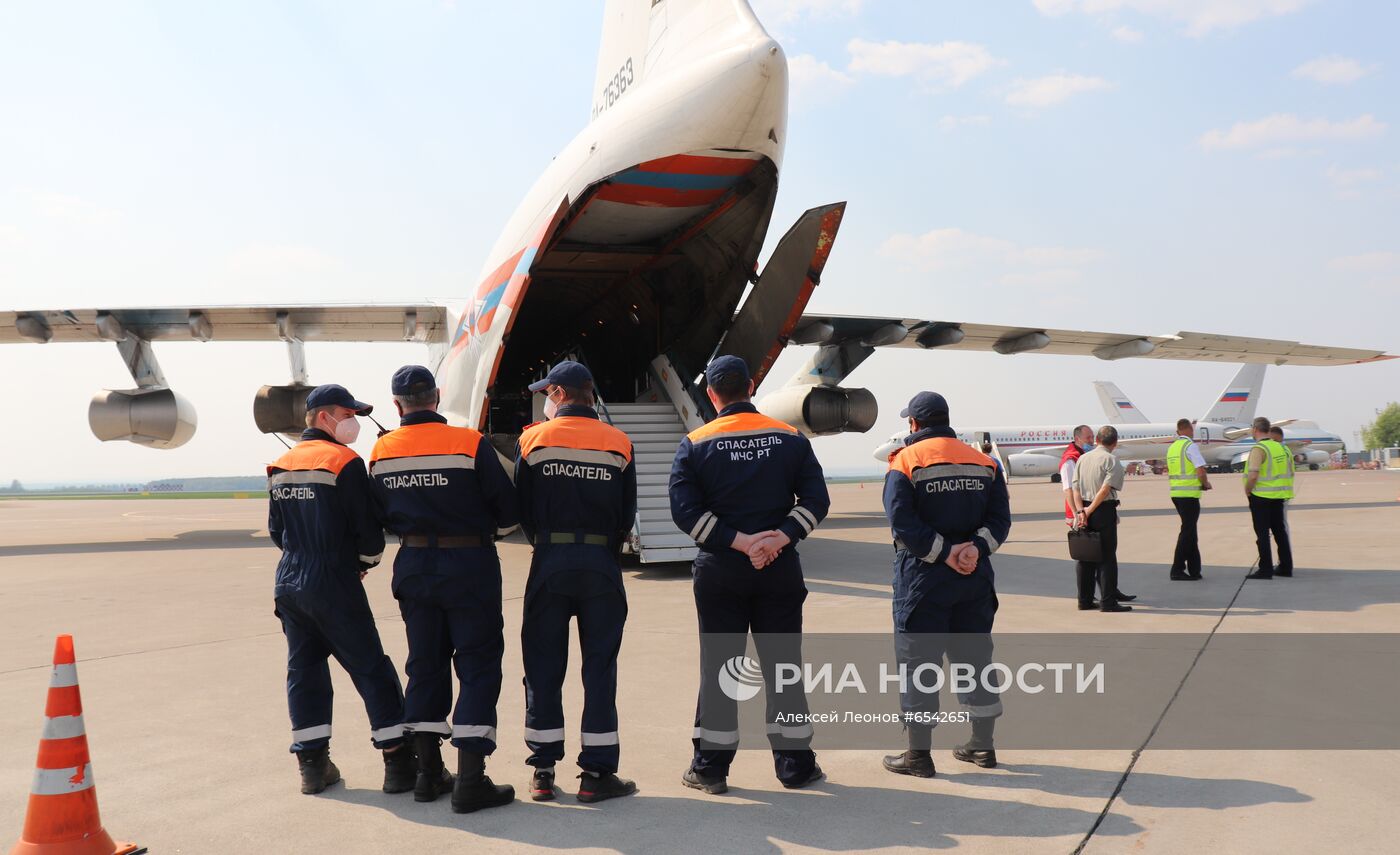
{"points": [[428, 439], [740, 422], [575, 432], [315, 454], [935, 450]]}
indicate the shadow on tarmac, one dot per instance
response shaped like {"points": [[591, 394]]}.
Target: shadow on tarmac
{"points": [[211, 539], [829, 816], [1149, 789]]}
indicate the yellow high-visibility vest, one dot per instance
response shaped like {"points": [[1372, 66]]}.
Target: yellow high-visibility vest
{"points": [[1181, 472], [1276, 477]]}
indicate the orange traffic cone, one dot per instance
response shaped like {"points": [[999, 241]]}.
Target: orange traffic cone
{"points": [[62, 817]]}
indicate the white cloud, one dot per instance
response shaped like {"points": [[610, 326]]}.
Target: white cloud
{"points": [[950, 63], [955, 252], [1332, 69], [952, 123], [783, 11], [1288, 128], [1199, 17], [1052, 89], [1367, 262], [814, 81], [1127, 34]]}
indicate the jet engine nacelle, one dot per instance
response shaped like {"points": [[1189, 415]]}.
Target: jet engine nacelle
{"points": [[823, 410], [1312, 458], [155, 418], [281, 409], [1032, 464]]}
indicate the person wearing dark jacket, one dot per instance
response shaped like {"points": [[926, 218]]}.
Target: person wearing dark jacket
{"points": [[443, 491], [321, 515], [747, 488], [578, 498], [949, 511]]}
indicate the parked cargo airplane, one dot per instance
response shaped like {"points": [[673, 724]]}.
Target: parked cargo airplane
{"points": [[1223, 433], [632, 252], [1311, 445]]}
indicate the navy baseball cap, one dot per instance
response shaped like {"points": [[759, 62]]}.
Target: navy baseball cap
{"points": [[925, 406], [567, 373], [726, 367], [412, 379], [336, 395]]}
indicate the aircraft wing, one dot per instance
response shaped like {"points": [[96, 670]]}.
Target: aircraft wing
{"points": [[836, 330], [327, 322]]}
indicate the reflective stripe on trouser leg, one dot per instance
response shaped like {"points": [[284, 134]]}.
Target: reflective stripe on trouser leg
{"points": [[309, 691], [477, 635], [544, 647], [600, 623], [428, 699], [354, 640]]}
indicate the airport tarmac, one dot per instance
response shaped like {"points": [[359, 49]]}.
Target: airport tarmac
{"points": [[181, 666]]}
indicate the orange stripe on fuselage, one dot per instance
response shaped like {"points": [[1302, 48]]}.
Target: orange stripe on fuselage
{"points": [[575, 432], [695, 164], [426, 439], [739, 422], [936, 450], [313, 454]]}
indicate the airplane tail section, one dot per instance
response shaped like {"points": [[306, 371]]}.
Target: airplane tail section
{"points": [[1240, 399], [642, 38], [1116, 405]]}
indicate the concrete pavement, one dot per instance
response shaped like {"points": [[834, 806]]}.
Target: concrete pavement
{"points": [[181, 663]]}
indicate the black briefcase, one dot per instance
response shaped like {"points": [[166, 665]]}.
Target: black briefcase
{"points": [[1084, 545]]}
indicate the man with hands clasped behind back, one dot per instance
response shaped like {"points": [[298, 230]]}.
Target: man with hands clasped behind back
{"points": [[747, 487]]}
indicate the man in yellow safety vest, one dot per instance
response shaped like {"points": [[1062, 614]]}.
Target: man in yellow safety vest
{"points": [[1186, 471], [1268, 483]]}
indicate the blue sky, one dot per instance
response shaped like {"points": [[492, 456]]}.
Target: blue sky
{"points": [[1136, 165]]}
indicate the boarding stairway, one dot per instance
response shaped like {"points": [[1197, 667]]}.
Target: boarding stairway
{"points": [[656, 430]]}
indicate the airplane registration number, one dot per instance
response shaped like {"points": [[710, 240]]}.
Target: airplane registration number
{"points": [[615, 88]]}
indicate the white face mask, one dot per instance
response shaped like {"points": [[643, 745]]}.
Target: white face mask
{"points": [[347, 430], [551, 409]]}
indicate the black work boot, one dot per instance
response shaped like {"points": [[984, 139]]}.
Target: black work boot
{"points": [[911, 762], [815, 775], [474, 790], [595, 787], [542, 784], [978, 750], [317, 770], [433, 780], [400, 769], [715, 785]]}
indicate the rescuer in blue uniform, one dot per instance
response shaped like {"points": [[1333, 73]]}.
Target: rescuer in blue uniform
{"points": [[949, 510], [578, 498], [443, 491], [321, 515], [747, 488]]}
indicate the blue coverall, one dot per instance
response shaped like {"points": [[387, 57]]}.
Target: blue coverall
{"points": [[433, 482], [745, 472], [321, 515], [940, 492], [578, 499]]}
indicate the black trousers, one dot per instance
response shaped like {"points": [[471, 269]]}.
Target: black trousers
{"points": [[1188, 548], [1105, 522], [1267, 515]]}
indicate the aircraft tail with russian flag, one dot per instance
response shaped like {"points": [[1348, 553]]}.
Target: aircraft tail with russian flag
{"points": [[1116, 405], [1239, 400]]}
